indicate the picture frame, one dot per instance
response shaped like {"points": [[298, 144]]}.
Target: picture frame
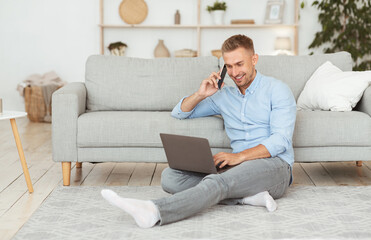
{"points": [[274, 12]]}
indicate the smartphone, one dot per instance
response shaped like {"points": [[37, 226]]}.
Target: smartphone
{"points": [[222, 75]]}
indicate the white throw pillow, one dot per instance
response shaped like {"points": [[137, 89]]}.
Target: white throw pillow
{"points": [[329, 88]]}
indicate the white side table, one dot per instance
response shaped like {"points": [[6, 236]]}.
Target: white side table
{"points": [[12, 115]]}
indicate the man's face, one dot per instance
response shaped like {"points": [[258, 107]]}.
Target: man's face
{"points": [[240, 65]]}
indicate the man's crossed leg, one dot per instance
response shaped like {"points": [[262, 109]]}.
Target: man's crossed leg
{"points": [[252, 182]]}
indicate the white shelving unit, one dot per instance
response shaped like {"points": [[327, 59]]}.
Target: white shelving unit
{"points": [[199, 27]]}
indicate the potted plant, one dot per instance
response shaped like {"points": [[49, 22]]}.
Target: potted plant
{"points": [[217, 12], [346, 26]]}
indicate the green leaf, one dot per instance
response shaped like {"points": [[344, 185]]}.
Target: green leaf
{"points": [[346, 26], [315, 3], [217, 6]]}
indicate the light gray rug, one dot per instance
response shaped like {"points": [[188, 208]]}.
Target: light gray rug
{"points": [[304, 213]]}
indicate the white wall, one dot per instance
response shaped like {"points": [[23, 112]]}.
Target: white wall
{"points": [[37, 36]]}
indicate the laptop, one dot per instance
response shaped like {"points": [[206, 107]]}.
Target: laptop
{"points": [[189, 154]]}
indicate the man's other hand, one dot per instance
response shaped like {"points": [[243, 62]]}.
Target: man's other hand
{"points": [[230, 159]]}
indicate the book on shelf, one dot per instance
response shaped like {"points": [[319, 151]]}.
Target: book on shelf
{"points": [[243, 21]]}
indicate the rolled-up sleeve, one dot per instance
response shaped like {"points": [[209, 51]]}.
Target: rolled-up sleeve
{"points": [[207, 107], [282, 120]]}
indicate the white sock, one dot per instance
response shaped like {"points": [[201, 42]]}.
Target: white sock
{"points": [[145, 213], [263, 199]]}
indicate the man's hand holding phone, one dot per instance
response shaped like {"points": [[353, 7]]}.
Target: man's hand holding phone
{"points": [[211, 85]]}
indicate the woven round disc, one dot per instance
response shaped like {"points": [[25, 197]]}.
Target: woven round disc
{"points": [[133, 11]]}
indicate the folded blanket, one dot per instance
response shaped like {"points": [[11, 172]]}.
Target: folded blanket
{"points": [[40, 80], [49, 82]]}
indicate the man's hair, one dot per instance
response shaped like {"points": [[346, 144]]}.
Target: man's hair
{"points": [[237, 41]]}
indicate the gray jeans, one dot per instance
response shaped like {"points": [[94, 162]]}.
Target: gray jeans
{"points": [[194, 192]]}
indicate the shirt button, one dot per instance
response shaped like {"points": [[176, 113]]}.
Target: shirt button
{"points": [[247, 136]]}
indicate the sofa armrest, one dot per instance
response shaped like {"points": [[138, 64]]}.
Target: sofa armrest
{"points": [[68, 103], [364, 105]]}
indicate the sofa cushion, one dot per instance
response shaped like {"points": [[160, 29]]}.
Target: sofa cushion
{"points": [[142, 129], [324, 128], [123, 83], [329, 88], [296, 70]]}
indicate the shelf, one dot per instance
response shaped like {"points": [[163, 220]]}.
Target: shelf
{"points": [[145, 26], [201, 26], [251, 26]]}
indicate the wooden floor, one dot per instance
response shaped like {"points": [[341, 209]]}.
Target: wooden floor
{"points": [[17, 205]]}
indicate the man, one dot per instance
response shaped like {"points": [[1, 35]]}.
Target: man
{"points": [[259, 117]]}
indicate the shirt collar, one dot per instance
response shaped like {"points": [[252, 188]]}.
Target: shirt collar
{"points": [[251, 89]]}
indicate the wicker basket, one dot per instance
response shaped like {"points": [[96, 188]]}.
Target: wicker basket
{"points": [[35, 104]]}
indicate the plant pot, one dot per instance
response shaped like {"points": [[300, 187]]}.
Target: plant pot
{"points": [[218, 17]]}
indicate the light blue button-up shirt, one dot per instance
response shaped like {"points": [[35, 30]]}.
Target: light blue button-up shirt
{"points": [[264, 115]]}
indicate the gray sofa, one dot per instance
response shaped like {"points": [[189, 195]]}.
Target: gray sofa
{"points": [[118, 113]]}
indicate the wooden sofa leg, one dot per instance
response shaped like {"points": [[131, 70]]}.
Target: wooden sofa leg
{"points": [[66, 170], [359, 163], [78, 164]]}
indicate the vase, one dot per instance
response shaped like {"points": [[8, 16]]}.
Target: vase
{"points": [[177, 17], [161, 51], [218, 17]]}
